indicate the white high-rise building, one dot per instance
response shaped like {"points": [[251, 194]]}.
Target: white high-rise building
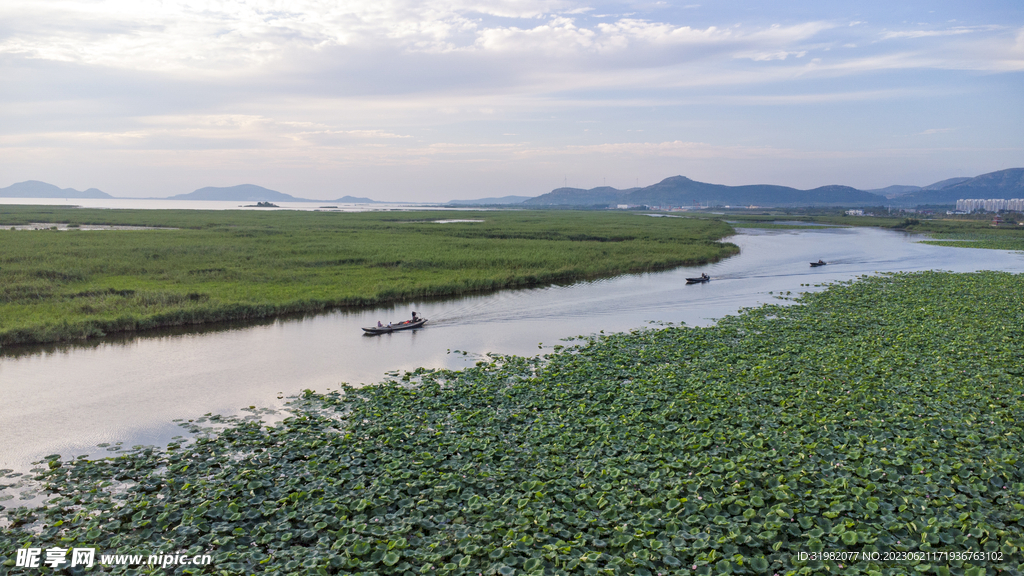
{"points": [[991, 205]]}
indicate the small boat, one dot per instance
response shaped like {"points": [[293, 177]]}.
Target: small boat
{"points": [[407, 325], [698, 280], [818, 263]]}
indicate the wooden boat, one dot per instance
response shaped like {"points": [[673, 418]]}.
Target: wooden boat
{"points": [[699, 280], [818, 263], [407, 325]]}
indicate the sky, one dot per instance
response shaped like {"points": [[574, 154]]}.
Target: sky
{"points": [[434, 100]]}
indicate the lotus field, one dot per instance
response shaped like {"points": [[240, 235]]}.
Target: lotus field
{"points": [[874, 428]]}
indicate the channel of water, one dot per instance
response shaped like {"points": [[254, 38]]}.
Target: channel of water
{"points": [[67, 399]]}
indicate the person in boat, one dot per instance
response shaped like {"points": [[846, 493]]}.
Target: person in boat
{"points": [[414, 316], [704, 275], [379, 325], [820, 261]]}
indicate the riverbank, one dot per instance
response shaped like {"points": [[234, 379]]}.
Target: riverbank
{"points": [[883, 415], [58, 285]]}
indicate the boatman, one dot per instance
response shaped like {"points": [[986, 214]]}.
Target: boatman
{"points": [[414, 316]]}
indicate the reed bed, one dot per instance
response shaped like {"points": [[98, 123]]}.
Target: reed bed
{"points": [[236, 265]]}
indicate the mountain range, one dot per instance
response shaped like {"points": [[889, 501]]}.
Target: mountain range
{"points": [[240, 193], [673, 191], [1002, 184], [37, 189], [897, 190], [683, 192], [491, 201], [254, 193]]}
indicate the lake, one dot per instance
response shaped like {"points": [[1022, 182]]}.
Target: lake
{"points": [[66, 399]]}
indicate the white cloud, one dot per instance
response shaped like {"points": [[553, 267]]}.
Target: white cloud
{"points": [[217, 34], [368, 83], [767, 56], [557, 36], [960, 30], [234, 36]]}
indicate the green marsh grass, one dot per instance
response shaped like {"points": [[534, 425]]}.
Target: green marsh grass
{"points": [[976, 235], [880, 416], [974, 231], [236, 265]]}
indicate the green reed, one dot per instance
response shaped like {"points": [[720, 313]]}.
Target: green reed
{"points": [[231, 265]]}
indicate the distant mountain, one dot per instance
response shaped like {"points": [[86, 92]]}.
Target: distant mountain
{"points": [[254, 193], [894, 191], [347, 200], [898, 191], [1002, 184], [945, 183], [492, 201], [603, 195], [37, 189], [682, 191], [240, 193]]}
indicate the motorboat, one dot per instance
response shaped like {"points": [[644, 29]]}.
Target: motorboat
{"points": [[388, 328]]}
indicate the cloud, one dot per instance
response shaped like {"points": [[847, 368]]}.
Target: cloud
{"points": [[559, 35], [216, 36], [767, 56], [211, 131], [362, 84], [960, 30], [1018, 48]]}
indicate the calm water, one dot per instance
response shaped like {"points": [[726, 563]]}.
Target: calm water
{"points": [[67, 399]]}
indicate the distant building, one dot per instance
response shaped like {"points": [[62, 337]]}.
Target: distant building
{"points": [[991, 205], [854, 212]]}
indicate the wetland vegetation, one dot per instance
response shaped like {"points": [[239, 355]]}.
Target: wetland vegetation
{"points": [[963, 231], [237, 265], [881, 415]]}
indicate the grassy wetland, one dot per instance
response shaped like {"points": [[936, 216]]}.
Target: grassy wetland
{"points": [[972, 231], [883, 416], [237, 265]]}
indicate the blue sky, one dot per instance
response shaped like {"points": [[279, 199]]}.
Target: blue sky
{"points": [[426, 100]]}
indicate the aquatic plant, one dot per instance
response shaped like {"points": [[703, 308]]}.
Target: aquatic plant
{"points": [[880, 416], [961, 232], [238, 265]]}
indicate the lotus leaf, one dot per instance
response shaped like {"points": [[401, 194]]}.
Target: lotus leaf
{"points": [[820, 426]]}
